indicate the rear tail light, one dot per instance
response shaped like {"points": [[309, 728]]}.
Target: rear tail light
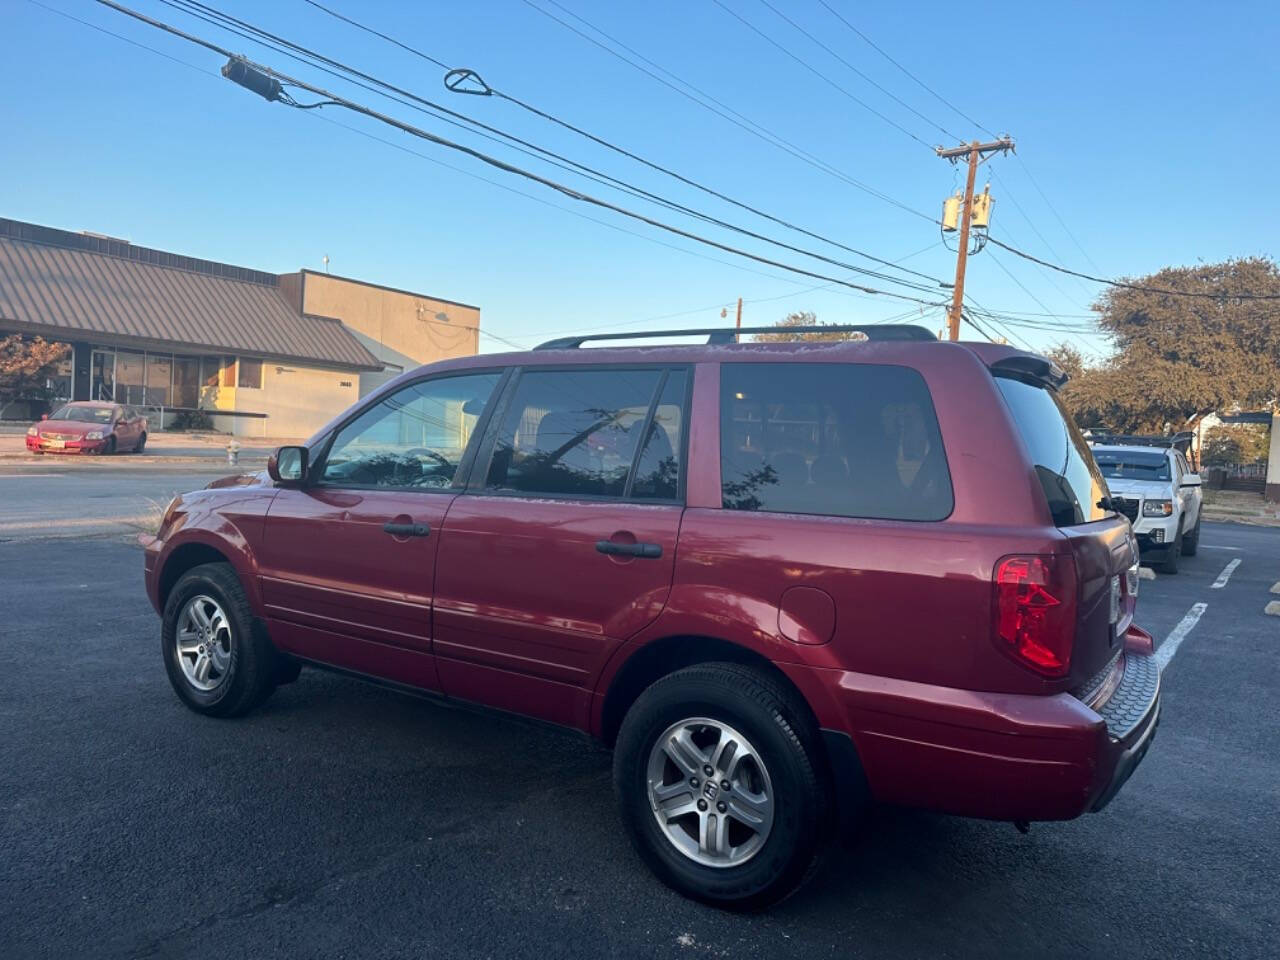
{"points": [[1035, 611]]}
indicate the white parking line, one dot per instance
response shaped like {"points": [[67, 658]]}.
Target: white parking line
{"points": [[24, 476], [1225, 575], [1171, 643], [1216, 546]]}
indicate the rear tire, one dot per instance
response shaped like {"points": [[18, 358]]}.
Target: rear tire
{"points": [[141, 445], [1190, 544], [111, 446], [1170, 562], [229, 665], [777, 778]]}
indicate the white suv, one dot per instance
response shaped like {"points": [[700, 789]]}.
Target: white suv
{"points": [[1157, 490]]}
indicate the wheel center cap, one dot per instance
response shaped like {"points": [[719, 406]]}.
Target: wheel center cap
{"points": [[710, 790]]}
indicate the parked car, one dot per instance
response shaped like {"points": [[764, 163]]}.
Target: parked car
{"points": [[781, 580], [88, 427], [1160, 494]]}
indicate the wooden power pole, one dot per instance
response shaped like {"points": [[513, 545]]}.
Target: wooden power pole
{"points": [[738, 325], [975, 151]]}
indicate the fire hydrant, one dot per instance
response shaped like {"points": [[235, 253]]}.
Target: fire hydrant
{"points": [[233, 453]]}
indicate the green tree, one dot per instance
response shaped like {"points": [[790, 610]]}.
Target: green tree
{"points": [[1236, 443], [805, 318], [1178, 358], [26, 363]]}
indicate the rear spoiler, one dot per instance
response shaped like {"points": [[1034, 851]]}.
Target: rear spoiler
{"points": [[1028, 366]]}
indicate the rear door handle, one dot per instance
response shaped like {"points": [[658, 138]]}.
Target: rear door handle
{"points": [[649, 551], [406, 529]]}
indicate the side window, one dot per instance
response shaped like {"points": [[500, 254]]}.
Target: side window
{"points": [[848, 440], [413, 438], [575, 433], [658, 473]]}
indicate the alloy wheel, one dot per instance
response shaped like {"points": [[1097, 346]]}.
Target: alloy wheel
{"points": [[710, 792], [203, 643]]}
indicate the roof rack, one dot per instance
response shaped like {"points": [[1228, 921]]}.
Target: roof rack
{"points": [[1180, 441], [722, 335]]}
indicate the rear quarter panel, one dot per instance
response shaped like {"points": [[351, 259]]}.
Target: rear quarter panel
{"points": [[912, 599]]}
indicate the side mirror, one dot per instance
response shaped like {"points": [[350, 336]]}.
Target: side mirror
{"points": [[44, 416], [288, 466], [1191, 480]]}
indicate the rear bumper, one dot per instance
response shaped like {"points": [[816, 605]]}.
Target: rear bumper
{"points": [[995, 756]]}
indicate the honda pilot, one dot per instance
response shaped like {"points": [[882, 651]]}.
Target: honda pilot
{"points": [[781, 580]]}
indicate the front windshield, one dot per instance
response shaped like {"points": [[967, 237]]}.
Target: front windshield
{"points": [[84, 414], [1124, 465]]}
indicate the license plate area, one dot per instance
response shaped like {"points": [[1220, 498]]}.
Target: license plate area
{"points": [[55, 444]]}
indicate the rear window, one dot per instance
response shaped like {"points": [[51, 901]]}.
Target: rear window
{"points": [[844, 440], [1127, 465], [1070, 478], [582, 433]]}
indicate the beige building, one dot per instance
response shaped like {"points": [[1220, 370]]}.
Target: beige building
{"points": [[262, 354]]}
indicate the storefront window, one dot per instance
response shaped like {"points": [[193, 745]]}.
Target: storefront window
{"points": [[250, 373], [130, 377], [159, 379], [59, 384], [186, 382]]}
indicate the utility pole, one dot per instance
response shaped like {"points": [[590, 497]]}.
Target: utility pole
{"points": [[738, 325], [975, 151]]}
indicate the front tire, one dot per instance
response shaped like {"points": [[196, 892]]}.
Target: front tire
{"points": [[1190, 544], [751, 832], [218, 658], [111, 446], [141, 444], [1171, 555]]}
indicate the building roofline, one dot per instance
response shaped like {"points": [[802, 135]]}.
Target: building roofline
{"points": [[105, 246], [383, 286], [122, 340]]}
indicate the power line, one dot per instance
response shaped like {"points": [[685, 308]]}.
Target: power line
{"points": [[718, 107], [440, 163], [941, 99], [1036, 231], [235, 25], [493, 161], [814, 70], [403, 46], [1054, 211], [1134, 286], [488, 90], [888, 93]]}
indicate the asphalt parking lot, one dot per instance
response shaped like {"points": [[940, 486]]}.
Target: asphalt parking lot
{"points": [[345, 820]]}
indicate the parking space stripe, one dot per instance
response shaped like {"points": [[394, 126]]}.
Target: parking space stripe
{"points": [[1171, 643], [1225, 575]]}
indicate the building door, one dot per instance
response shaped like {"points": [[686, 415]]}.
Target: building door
{"points": [[565, 547], [103, 376]]}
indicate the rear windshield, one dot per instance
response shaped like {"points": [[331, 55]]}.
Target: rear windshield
{"points": [[1073, 485], [1132, 465]]}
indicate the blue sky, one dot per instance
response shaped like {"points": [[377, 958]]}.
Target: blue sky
{"points": [[1149, 127]]}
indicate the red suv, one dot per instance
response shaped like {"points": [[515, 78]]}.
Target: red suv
{"points": [[782, 580]]}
